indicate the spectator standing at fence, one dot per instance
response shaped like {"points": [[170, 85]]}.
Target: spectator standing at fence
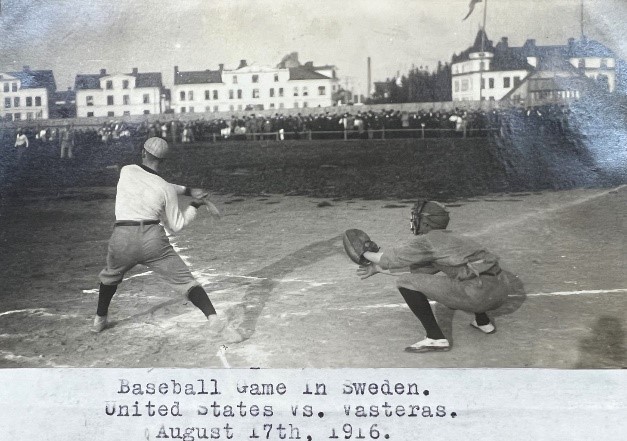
{"points": [[21, 146], [67, 142]]}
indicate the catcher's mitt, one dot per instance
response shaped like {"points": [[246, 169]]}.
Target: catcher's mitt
{"points": [[356, 243]]}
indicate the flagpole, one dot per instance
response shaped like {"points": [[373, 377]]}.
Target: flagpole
{"points": [[482, 62]]}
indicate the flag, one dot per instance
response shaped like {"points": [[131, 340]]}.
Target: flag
{"points": [[472, 8]]}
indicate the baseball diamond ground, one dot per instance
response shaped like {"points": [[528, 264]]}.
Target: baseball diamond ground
{"points": [[275, 263]]}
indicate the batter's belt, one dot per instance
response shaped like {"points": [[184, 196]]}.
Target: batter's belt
{"points": [[131, 223]]}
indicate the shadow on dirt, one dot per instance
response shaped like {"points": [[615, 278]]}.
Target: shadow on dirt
{"points": [[605, 348], [247, 313]]}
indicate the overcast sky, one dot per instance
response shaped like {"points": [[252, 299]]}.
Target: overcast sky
{"points": [[83, 36]]}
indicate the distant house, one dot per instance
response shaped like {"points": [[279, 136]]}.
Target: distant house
{"points": [[252, 87], [529, 73], [114, 95], [63, 104], [26, 95]]}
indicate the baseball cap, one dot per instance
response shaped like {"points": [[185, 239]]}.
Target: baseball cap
{"points": [[157, 147]]}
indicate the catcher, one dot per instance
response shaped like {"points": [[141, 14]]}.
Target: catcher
{"points": [[146, 206], [470, 277]]}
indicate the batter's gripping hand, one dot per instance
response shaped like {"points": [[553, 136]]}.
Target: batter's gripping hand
{"points": [[356, 243], [213, 210], [198, 193]]}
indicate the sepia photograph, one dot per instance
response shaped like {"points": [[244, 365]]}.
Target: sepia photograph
{"points": [[286, 184]]}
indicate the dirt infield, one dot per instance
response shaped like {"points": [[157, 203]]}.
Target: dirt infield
{"points": [[275, 265]]}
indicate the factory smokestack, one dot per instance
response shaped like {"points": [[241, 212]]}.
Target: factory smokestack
{"points": [[369, 79]]}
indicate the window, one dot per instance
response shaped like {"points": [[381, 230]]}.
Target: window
{"points": [[207, 108], [296, 104], [507, 82], [124, 84], [207, 94], [271, 92], [16, 102], [17, 116], [146, 112], [322, 90], [464, 85], [456, 86], [305, 104], [126, 113], [239, 94], [482, 65], [305, 91], [109, 100], [603, 63], [231, 107], [482, 83], [280, 91], [215, 108], [296, 91], [109, 85], [255, 93], [234, 79], [89, 100], [215, 95], [14, 89], [491, 83], [581, 63], [190, 95], [29, 101], [90, 114], [276, 78], [516, 81], [7, 103], [272, 105], [126, 100], [491, 98], [281, 105], [255, 78], [8, 116], [240, 107], [183, 110], [191, 109], [231, 94], [146, 98], [182, 95], [6, 87], [29, 115], [110, 113]]}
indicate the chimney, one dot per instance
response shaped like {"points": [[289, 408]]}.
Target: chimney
{"points": [[242, 63], [571, 42], [135, 71], [504, 41], [369, 79], [221, 66], [103, 71]]}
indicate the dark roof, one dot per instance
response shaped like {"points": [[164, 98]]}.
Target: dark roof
{"points": [[35, 79], [147, 79], [142, 79], [198, 77], [302, 73], [87, 81], [589, 48]]}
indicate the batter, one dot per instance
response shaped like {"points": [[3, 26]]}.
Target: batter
{"points": [[146, 206]]}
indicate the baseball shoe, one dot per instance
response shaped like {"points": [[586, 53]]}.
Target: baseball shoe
{"points": [[429, 345], [219, 325], [100, 323], [486, 329]]}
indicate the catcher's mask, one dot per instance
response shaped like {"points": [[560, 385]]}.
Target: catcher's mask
{"points": [[437, 216]]}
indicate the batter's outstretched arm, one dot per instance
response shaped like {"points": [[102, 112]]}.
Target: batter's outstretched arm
{"points": [[173, 217]]}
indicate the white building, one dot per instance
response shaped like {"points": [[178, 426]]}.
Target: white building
{"points": [[253, 88], [119, 94], [26, 95], [488, 72]]}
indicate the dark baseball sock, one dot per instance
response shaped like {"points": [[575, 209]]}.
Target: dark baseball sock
{"points": [[482, 318], [105, 295], [419, 305], [199, 298]]}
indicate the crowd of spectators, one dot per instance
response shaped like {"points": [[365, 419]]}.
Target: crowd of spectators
{"points": [[369, 124]]}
